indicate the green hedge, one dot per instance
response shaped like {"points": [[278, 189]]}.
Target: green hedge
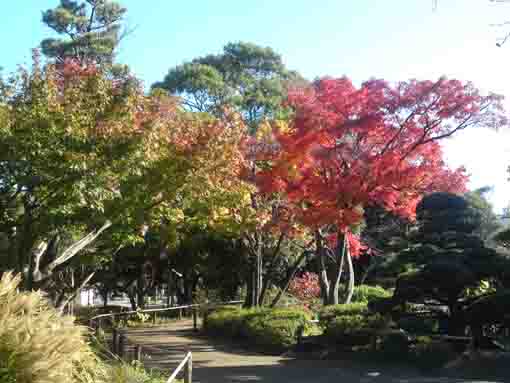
{"points": [[350, 324], [328, 313], [366, 293], [273, 329]]}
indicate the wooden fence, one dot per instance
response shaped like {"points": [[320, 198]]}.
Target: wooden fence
{"points": [[119, 338]]}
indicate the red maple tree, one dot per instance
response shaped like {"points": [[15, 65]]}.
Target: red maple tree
{"points": [[305, 287], [377, 145]]}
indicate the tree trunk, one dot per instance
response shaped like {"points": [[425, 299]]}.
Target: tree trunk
{"points": [[131, 292], [248, 300], [323, 275], [61, 307], [169, 292], [104, 295], [260, 260], [140, 290], [350, 268], [289, 279], [38, 275]]}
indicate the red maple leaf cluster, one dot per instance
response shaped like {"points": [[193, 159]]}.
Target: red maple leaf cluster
{"points": [[348, 148], [305, 287]]}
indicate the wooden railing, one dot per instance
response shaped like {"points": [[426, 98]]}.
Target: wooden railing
{"points": [[95, 321], [187, 365], [119, 338]]}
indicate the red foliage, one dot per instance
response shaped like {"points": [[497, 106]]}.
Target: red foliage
{"points": [[306, 287], [348, 148]]}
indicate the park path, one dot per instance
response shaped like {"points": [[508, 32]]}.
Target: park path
{"points": [[221, 362]]}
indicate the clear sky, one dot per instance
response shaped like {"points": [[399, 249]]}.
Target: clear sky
{"points": [[390, 39]]}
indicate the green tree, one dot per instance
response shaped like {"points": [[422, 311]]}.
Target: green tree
{"points": [[91, 30], [448, 264], [82, 153], [248, 77], [489, 222]]}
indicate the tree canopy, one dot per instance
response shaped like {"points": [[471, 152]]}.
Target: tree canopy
{"points": [[90, 30], [248, 77], [349, 148]]}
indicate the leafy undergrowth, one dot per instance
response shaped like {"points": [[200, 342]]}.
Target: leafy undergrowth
{"points": [[134, 373], [271, 330]]}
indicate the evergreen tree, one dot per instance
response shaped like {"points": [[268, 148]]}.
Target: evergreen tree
{"points": [[91, 30]]}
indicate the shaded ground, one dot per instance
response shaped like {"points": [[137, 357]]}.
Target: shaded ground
{"points": [[221, 362]]}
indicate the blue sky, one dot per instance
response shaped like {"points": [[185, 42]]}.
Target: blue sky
{"points": [[391, 39]]}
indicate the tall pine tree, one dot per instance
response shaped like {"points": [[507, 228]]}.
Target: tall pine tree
{"points": [[90, 30]]}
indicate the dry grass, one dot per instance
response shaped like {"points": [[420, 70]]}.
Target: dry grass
{"points": [[37, 345]]}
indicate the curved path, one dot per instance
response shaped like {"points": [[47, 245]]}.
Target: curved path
{"points": [[214, 362]]}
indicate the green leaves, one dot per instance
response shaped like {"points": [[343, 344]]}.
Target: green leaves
{"points": [[247, 77], [92, 30]]}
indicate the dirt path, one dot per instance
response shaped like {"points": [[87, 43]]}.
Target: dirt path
{"points": [[215, 362]]}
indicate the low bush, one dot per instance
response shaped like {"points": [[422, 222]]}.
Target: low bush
{"points": [[273, 329], [419, 325], [133, 373], [350, 324], [366, 293], [328, 313]]}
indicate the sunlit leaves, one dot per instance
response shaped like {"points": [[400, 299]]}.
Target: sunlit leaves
{"points": [[348, 148]]}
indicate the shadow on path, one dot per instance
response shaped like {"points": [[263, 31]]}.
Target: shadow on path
{"points": [[216, 361]]}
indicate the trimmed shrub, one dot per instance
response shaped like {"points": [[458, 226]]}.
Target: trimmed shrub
{"points": [[418, 325], [273, 329], [366, 293], [350, 324], [37, 345], [352, 330], [328, 313], [227, 322]]}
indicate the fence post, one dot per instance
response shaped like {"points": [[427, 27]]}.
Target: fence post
{"points": [[138, 353], [188, 372], [154, 318], [115, 339], [300, 332], [122, 344], [195, 327], [204, 318], [180, 314]]}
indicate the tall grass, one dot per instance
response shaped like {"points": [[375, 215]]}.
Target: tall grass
{"points": [[37, 345]]}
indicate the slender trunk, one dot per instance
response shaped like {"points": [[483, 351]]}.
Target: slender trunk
{"points": [[140, 291], [131, 292], [265, 287], [39, 275], [169, 292], [61, 307], [104, 295], [248, 300], [350, 268], [25, 244], [258, 296], [323, 275], [336, 271], [274, 261], [289, 279]]}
